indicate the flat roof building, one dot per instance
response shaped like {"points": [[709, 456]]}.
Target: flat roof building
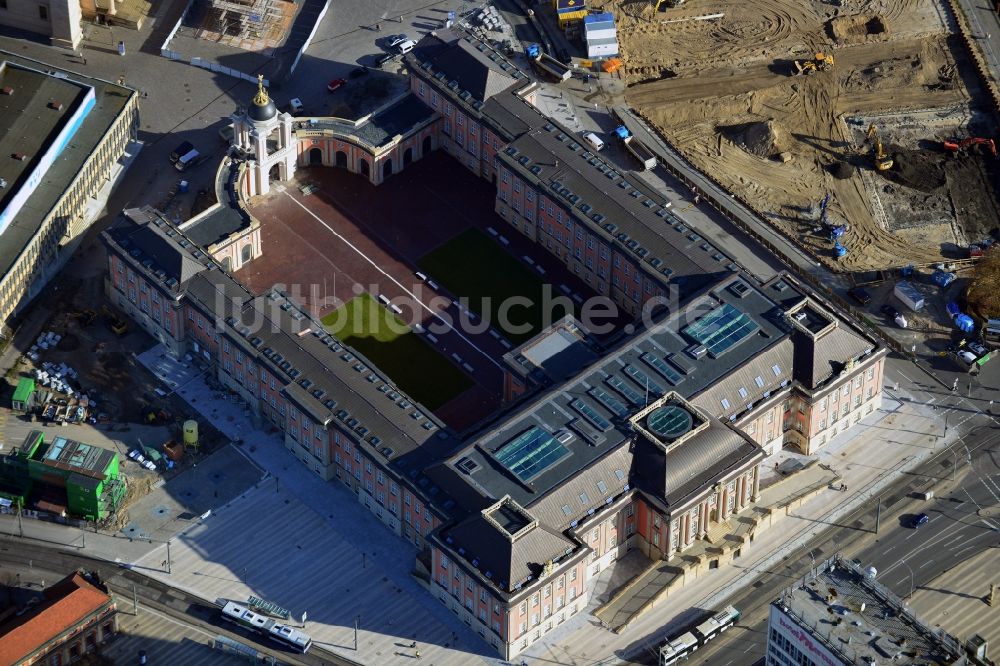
{"points": [[839, 615], [62, 135]]}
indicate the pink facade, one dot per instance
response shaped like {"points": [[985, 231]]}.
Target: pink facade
{"points": [[608, 270]]}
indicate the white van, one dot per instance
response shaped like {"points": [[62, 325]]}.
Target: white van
{"points": [[187, 159], [594, 141]]}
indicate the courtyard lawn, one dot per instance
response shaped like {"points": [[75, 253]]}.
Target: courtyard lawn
{"points": [[474, 267], [413, 365]]}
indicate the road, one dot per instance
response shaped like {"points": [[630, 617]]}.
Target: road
{"points": [[985, 23], [31, 563], [905, 558]]}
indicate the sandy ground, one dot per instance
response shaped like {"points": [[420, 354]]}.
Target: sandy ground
{"points": [[721, 90]]}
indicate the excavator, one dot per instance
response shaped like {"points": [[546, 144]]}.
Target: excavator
{"points": [[882, 161], [956, 145], [822, 62]]}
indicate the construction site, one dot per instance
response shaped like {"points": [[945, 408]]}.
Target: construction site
{"points": [[874, 107], [251, 25]]}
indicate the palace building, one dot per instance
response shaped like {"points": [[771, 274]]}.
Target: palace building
{"points": [[651, 443]]}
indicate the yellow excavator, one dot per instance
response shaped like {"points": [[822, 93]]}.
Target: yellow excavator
{"points": [[822, 62], [882, 161]]}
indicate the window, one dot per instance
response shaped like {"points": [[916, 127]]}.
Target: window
{"points": [[534, 600], [572, 575], [523, 609], [870, 374], [43, 12]]}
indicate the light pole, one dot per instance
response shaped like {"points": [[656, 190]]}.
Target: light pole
{"points": [[878, 513], [903, 562]]}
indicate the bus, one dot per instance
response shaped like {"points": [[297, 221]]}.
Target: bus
{"points": [[681, 647], [287, 636], [677, 649], [716, 624]]}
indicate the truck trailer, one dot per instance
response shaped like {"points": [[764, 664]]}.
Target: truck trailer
{"points": [[645, 156], [548, 64]]}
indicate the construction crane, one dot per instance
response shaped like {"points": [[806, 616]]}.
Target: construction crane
{"points": [[882, 161], [956, 145], [822, 62]]}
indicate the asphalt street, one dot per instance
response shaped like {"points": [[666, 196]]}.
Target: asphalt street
{"points": [[905, 558]]}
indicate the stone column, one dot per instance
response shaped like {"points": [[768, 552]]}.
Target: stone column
{"points": [[755, 495]]}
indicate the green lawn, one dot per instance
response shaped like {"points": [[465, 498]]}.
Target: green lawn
{"points": [[413, 365], [475, 267]]}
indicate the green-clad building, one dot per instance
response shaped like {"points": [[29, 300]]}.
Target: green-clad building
{"points": [[63, 476]]}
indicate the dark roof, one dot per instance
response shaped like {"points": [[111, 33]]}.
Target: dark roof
{"points": [[506, 544], [825, 345], [29, 122], [394, 121], [617, 206], [262, 112], [694, 464], [216, 224], [149, 242], [512, 116], [459, 60], [618, 383], [111, 100], [379, 129], [227, 217]]}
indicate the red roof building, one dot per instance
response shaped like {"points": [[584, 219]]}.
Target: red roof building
{"points": [[74, 618]]}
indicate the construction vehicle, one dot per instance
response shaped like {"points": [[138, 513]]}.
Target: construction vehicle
{"points": [[882, 161], [822, 62], [639, 150], [956, 145], [118, 325], [547, 63]]}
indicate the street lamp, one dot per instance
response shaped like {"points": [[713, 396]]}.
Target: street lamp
{"points": [[903, 562]]}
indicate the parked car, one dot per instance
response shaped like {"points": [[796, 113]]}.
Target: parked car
{"points": [[396, 40], [860, 295], [405, 46], [180, 151], [920, 519], [385, 58], [358, 72], [334, 84]]}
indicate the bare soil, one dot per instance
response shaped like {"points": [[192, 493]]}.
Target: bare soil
{"points": [[729, 101]]}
